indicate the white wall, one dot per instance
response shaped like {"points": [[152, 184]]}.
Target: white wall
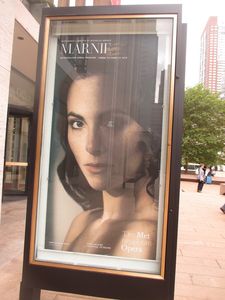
{"points": [[10, 10]]}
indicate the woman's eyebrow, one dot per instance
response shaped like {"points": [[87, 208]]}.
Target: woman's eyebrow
{"points": [[114, 112], [72, 114]]}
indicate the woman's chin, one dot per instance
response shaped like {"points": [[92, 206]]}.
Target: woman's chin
{"points": [[104, 186]]}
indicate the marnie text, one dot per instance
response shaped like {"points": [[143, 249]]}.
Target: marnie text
{"points": [[85, 47]]}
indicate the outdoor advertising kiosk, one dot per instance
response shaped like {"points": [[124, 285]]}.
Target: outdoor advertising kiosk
{"points": [[102, 210]]}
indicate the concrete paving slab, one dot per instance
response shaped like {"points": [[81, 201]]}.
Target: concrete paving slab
{"points": [[200, 268], [199, 275]]}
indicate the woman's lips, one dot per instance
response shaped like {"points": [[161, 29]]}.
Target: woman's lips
{"points": [[96, 168]]}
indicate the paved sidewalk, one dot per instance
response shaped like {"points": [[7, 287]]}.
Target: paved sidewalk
{"points": [[201, 244], [200, 256]]}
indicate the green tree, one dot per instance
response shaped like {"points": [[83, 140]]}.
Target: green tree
{"points": [[204, 127]]}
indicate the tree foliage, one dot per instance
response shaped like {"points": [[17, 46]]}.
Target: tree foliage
{"points": [[204, 127]]}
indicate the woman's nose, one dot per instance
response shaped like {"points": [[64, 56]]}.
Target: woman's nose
{"points": [[95, 143]]}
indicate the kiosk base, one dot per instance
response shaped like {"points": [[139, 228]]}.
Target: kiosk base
{"points": [[27, 293]]}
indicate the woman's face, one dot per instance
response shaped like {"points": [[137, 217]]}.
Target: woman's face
{"points": [[103, 138]]}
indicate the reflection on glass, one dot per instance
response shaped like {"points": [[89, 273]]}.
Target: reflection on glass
{"points": [[113, 152]]}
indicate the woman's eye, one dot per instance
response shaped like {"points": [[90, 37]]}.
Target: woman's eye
{"points": [[115, 124], [76, 124], [110, 124]]}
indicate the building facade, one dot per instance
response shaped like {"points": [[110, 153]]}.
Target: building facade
{"points": [[18, 53], [212, 56]]}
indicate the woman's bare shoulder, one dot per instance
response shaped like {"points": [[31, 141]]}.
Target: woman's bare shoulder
{"points": [[80, 222], [87, 216]]}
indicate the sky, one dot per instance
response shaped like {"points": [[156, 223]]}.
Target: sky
{"points": [[195, 14]]}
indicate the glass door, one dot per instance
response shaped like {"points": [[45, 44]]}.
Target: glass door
{"points": [[16, 157]]}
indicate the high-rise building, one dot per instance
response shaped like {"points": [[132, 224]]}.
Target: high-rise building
{"points": [[212, 60]]}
